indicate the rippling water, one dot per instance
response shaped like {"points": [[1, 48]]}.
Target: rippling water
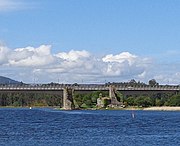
{"points": [[47, 127]]}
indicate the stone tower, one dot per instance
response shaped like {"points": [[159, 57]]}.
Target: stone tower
{"points": [[113, 96], [68, 103]]}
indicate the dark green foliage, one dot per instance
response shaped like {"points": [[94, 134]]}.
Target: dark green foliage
{"points": [[88, 99], [174, 100], [119, 96], [130, 101], [29, 99], [153, 82], [143, 101], [160, 99], [106, 102], [78, 99]]}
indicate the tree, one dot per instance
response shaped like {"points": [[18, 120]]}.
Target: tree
{"points": [[87, 100], [153, 82], [78, 99], [143, 101], [159, 102], [130, 100], [174, 100], [119, 96], [132, 82]]}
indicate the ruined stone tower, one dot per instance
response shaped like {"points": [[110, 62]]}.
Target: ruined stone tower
{"points": [[68, 103]]}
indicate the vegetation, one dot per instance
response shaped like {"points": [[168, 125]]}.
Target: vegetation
{"points": [[88, 100], [155, 100], [29, 99], [133, 82], [160, 99]]}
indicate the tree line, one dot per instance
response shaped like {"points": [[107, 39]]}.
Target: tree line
{"points": [[29, 99], [133, 82], [88, 100], [159, 99]]}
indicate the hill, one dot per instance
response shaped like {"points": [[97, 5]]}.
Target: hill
{"points": [[5, 80]]}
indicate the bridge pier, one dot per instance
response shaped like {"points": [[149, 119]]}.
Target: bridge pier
{"points": [[177, 92], [68, 103], [113, 96]]}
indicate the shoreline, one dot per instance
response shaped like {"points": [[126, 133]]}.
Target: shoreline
{"points": [[161, 108], [154, 108]]}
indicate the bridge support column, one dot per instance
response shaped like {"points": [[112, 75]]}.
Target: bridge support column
{"points": [[68, 103], [113, 96], [177, 92]]}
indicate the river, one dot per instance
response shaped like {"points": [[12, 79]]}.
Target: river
{"points": [[48, 127]]}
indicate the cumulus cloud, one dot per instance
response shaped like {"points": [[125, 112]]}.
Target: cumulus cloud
{"points": [[31, 57], [77, 66], [120, 58], [73, 55], [123, 64], [26, 57], [172, 78], [3, 54]]}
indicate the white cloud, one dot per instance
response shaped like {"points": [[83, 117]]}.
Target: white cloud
{"points": [[31, 57], [80, 65], [120, 58], [172, 78], [77, 66], [73, 55], [3, 54], [124, 64]]}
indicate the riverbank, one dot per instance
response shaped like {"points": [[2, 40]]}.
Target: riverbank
{"points": [[31, 107], [155, 108], [135, 108], [163, 108]]}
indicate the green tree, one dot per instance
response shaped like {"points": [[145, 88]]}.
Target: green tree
{"points": [[174, 100], [87, 100], [143, 101], [159, 102], [130, 101], [78, 99], [119, 96], [153, 82]]}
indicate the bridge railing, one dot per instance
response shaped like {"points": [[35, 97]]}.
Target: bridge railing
{"points": [[86, 87]]}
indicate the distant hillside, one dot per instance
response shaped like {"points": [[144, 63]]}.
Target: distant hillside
{"points": [[5, 80]]}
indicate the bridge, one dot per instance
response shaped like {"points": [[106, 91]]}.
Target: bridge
{"points": [[69, 89]]}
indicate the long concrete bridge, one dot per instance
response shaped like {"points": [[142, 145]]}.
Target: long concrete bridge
{"points": [[69, 89]]}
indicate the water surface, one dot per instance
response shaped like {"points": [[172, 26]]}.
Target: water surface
{"points": [[48, 127]]}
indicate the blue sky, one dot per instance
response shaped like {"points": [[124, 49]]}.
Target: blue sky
{"points": [[149, 30]]}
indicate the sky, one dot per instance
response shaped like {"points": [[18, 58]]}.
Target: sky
{"points": [[90, 41]]}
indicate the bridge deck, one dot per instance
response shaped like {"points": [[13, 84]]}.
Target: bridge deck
{"points": [[86, 87]]}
